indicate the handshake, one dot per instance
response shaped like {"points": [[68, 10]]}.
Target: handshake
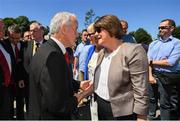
{"points": [[86, 89]]}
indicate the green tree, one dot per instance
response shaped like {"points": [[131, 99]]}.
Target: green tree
{"points": [[23, 23], [90, 18], [132, 33], [176, 32], [142, 36], [46, 30], [8, 22]]}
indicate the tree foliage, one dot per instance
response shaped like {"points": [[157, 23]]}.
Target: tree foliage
{"points": [[142, 36], [23, 23], [176, 32], [132, 33], [90, 17], [8, 22]]}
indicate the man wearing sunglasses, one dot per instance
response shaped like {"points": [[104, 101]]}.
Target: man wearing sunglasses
{"points": [[164, 55]]}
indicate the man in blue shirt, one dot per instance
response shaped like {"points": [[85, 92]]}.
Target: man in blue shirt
{"points": [[79, 57], [126, 37], [164, 55]]}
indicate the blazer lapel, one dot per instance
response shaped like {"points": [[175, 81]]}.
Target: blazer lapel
{"points": [[100, 58]]}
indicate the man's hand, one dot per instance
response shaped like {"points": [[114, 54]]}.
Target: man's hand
{"points": [[74, 71], [85, 85], [152, 80], [79, 96], [141, 118]]}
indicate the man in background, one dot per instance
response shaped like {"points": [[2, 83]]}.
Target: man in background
{"points": [[164, 55], [27, 36], [80, 56], [126, 37]]}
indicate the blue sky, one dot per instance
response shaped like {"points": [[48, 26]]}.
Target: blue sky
{"points": [[146, 14]]}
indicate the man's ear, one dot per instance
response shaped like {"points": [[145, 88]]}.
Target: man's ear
{"points": [[172, 28], [63, 29]]}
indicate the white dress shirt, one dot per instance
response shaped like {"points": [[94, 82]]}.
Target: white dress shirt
{"points": [[102, 89]]}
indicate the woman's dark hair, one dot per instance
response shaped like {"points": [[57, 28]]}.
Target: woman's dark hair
{"points": [[111, 24]]}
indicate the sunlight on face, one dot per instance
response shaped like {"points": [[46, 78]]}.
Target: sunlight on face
{"points": [[165, 29], [72, 32]]}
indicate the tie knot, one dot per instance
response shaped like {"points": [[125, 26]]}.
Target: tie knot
{"points": [[37, 44]]}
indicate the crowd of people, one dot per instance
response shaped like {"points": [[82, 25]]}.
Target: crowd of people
{"points": [[119, 78]]}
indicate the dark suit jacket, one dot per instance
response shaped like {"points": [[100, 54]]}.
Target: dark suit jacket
{"points": [[17, 67], [28, 54], [51, 84]]}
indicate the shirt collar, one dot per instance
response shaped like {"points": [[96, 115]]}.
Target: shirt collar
{"points": [[168, 39], [59, 44], [40, 42]]}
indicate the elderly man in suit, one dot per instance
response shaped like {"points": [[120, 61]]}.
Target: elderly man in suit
{"points": [[37, 36], [52, 87], [36, 33]]}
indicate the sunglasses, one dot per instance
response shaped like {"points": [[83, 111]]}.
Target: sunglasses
{"points": [[98, 29], [89, 34], [164, 27]]}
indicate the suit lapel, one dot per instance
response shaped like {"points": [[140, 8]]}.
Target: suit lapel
{"points": [[31, 49]]}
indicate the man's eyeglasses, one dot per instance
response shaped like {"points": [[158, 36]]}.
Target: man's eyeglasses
{"points": [[164, 27], [27, 36], [35, 30]]}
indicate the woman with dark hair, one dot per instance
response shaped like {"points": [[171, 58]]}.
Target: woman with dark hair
{"points": [[121, 74]]}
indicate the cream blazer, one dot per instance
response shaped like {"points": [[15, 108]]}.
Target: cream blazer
{"points": [[127, 80]]}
